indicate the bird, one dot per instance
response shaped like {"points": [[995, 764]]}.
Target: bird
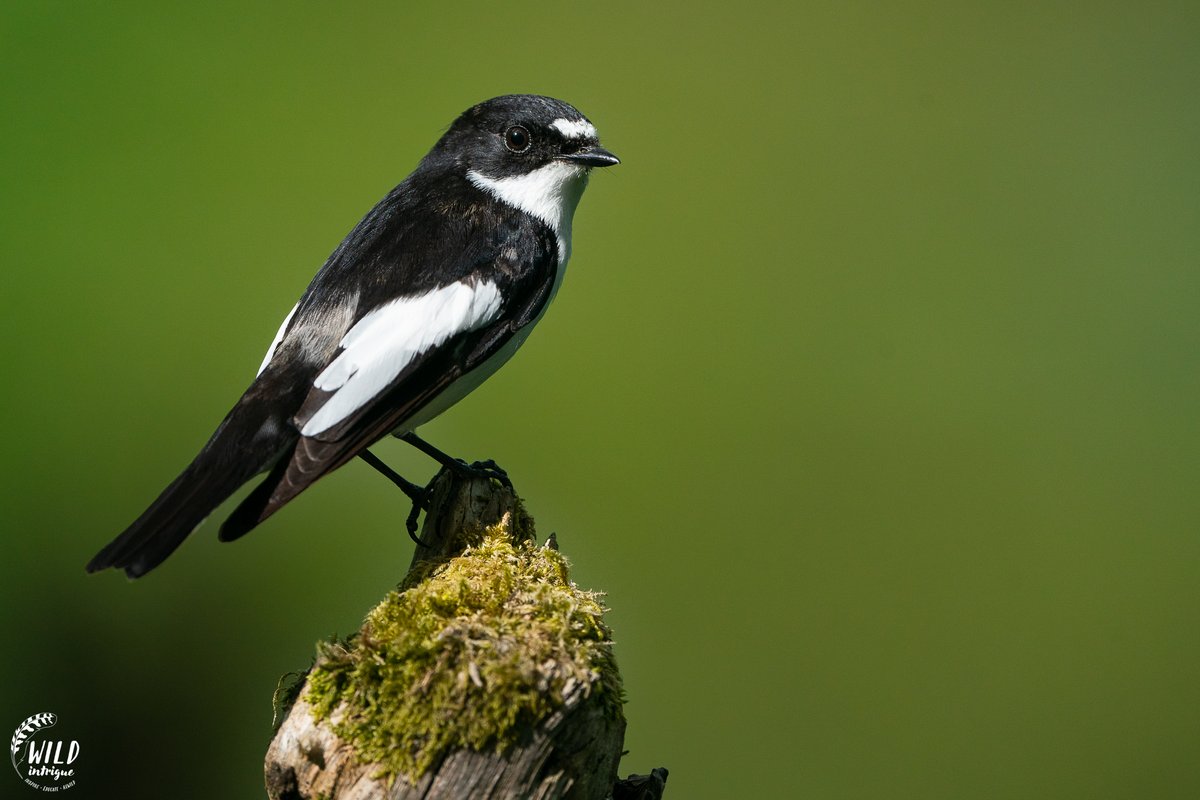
{"points": [[428, 295]]}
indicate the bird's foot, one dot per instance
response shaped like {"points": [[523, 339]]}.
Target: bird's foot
{"points": [[487, 469], [419, 504], [479, 469], [461, 470]]}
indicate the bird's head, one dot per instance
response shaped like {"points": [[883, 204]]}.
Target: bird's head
{"points": [[529, 151], [518, 134]]}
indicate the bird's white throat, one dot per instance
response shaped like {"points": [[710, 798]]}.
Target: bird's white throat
{"points": [[550, 193]]}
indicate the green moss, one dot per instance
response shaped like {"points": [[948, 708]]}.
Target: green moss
{"points": [[468, 652]]}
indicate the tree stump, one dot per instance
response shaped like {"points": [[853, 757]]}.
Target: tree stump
{"points": [[487, 674]]}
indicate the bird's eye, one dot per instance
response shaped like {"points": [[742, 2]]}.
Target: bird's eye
{"points": [[516, 139]]}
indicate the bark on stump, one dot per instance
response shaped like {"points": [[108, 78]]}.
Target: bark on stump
{"points": [[571, 751]]}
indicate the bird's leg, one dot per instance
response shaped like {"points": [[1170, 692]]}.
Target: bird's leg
{"points": [[414, 492], [485, 469], [418, 494]]}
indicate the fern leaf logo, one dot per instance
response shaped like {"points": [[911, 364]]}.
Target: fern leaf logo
{"points": [[27, 729]]}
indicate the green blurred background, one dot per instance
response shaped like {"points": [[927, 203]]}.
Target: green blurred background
{"points": [[870, 398]]}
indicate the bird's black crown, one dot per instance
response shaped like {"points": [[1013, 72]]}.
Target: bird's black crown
{"points": [[517, 133]]}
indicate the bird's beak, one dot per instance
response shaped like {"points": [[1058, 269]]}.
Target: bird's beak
{"points": [[592, 155]]}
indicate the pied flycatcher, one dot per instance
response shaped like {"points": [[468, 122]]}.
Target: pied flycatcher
{"points": [[428, 296]]}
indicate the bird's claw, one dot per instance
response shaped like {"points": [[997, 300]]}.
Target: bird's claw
{"points": [[411, 522], [490, 469]]}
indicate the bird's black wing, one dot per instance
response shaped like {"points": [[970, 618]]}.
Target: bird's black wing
{"points": [[405, 351], [426, 233]]}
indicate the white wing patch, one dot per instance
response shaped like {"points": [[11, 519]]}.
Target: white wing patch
{"points": [[574, 128], [550, 193], [278, 338], [388, 338]]}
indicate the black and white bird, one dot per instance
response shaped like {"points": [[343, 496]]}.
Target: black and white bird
{"points": [[428, 296]]}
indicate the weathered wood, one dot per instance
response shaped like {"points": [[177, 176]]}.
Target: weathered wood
{"points": [[571, 753], [642, 787], [459, 507]]}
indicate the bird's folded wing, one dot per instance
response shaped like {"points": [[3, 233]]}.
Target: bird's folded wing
{"points": [[423, 377], [388, 340], [386, 378]]}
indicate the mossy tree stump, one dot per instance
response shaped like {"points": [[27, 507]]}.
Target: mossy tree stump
{"points": [[486, 674]]}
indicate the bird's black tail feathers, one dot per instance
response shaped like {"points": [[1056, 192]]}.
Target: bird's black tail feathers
{"points": [[293, 473], [247, 442], [253, 509], [306, 461]]}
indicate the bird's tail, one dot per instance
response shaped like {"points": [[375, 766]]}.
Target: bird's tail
{"points": [[261, 503], [248, 442], [298, 469]]}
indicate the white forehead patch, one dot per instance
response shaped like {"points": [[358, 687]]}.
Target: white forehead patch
{"points": [[574, 128]]}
